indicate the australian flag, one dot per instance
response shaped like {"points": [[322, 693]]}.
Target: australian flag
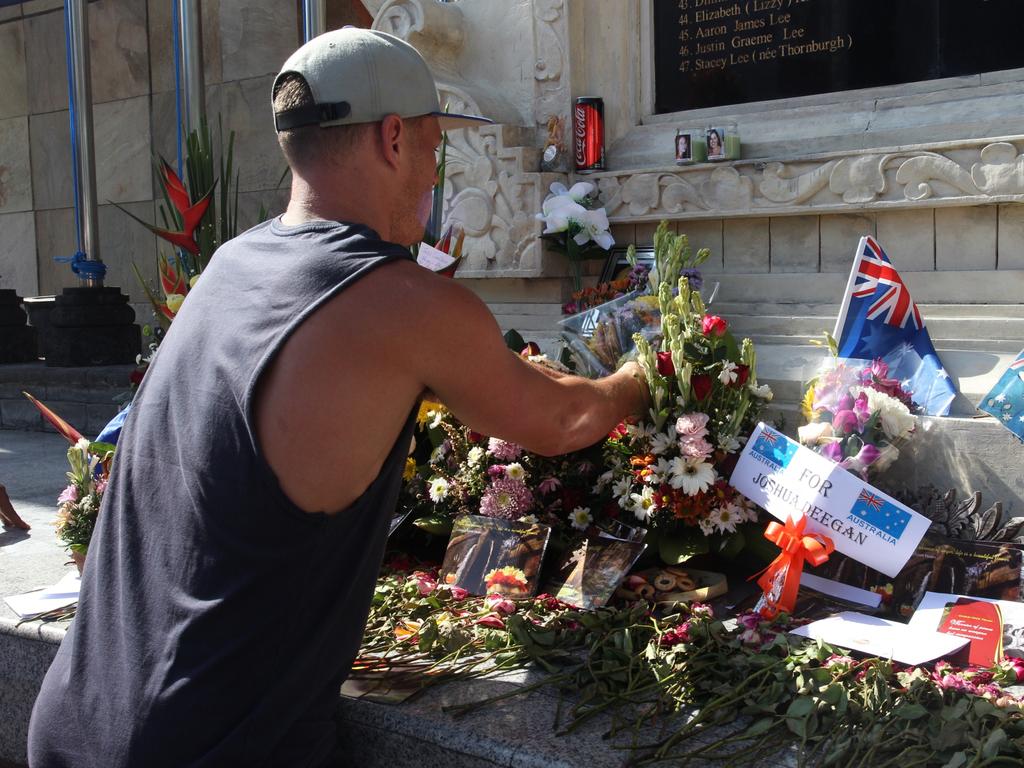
{"points": [[878, 319], [1006, 399], [775, 447], [878, 512]]}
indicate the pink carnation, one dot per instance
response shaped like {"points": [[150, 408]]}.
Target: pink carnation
{"points": [[692, 426], [68, 494], [502, 450], [698, 448]]}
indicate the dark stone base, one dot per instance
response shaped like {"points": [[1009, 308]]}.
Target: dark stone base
{"points": [[17, 340], [92, 326]]}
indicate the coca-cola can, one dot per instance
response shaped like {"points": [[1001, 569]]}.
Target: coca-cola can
{"points": [[588, 134]]}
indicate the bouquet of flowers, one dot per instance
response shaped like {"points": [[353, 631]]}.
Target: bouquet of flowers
{"points": [[571, 220], [670, 470], [471, 474], [601, 338], [588, 298], [79, 503], [857, 416]]}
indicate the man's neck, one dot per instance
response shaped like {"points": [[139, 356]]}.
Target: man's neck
{"points": [[306, 204]]}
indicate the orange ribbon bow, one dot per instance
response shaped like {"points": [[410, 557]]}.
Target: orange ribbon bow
{"points": [[780, 581]]}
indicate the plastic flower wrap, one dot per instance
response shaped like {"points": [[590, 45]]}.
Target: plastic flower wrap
{"points": [[857, 416], [600, 339], [670, 471]]}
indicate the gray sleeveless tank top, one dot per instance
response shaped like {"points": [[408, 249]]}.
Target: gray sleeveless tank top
{"points": [[217, 620]]}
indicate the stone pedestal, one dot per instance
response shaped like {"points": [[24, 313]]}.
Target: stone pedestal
{"points": [[17, 340], [92, 326]]}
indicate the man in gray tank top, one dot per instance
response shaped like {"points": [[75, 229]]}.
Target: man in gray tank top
{"points": [[234, 559]]}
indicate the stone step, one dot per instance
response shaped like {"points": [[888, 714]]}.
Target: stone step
{"points": [[997, 346], [728, 309], [812, 326], [962, 287]]}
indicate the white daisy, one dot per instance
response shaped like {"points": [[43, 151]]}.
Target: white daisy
{"points": [[661, 470], [438, 489], [603, 480], [643, 504], [728, 443], [581, 518], [622, 487], [706, 526], [726, 518], [661, 442], [475, 455], [515, 471], [728, 374], [694, 476]]}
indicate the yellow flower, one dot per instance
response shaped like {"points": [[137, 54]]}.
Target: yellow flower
{"points": [[410, 469], [192, 281], [428, 410], [807, 406], [174, 301]]}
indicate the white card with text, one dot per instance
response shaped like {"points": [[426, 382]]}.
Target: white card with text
{"points": [[788, 479]]}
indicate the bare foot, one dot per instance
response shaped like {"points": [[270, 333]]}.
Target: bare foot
{"points": [[8, 517]]}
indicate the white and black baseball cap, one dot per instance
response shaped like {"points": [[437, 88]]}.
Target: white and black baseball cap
{"points": [[361, 76]]}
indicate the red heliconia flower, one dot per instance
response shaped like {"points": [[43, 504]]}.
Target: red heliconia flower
{"points": [[665, 365]]}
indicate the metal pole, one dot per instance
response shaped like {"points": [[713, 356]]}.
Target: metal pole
{"points": [[78, 20], [191, 37], [314, 19]]}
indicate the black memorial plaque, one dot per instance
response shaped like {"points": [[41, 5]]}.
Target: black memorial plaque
{"points": [[716, 52]]}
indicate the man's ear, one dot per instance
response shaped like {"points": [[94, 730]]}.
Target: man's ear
{"points": [[392, 134]]}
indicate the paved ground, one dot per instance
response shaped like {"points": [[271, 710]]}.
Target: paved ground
{"points": [[32, 466]]}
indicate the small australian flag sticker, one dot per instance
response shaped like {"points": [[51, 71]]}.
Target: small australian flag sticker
{"points": [[884, 516], [774, 448]]}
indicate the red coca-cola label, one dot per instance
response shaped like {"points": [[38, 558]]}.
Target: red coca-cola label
{"points": [[588, 135]]}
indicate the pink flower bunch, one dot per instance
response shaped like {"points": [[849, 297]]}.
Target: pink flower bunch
{"points": [[503, 450], [69, 494], [500, 604], [876, 376], [692, 429], [506, 498], [678, 634]]}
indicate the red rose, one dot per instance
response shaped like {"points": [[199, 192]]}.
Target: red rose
{"points": [[665, 366], [742, 374], [474, 437], [135, 377], [530, 350], [701, 384], [714, 326]]}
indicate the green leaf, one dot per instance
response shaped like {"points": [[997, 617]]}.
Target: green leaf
{"points": [[732, 545], [677, 548], [993, 743], [801, 707], [910, 711], [956, 761], [514, 341], [757, 728]]}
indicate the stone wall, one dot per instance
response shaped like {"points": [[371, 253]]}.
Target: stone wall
{"points": [[132, 62]]}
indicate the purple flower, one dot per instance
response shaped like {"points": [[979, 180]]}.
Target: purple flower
{"points": [[832, 451], [506, 498], [845, 422], [694, 278], [860, 407], [496, 471]]}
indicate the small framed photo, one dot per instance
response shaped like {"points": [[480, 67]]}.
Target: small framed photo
{"points": [[617, 266], [715, 138], [684, 148]]}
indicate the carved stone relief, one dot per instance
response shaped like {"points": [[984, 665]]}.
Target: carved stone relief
{"points": [[966, 172], [551, 81]]}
